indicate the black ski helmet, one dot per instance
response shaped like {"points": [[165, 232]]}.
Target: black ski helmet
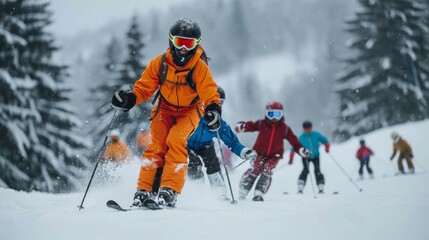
{"points": [[307, 124], [362, 142], [221, 93], [184, 27]]}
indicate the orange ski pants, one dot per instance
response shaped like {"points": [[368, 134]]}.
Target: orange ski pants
{"points": [[170, 129]]}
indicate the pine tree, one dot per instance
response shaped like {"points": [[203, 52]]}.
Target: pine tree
{"points": [[131, 70], [239, 35], [16, 108], [122, 75], [51, 158], [102, 93], [424, 41], [384, 85]]}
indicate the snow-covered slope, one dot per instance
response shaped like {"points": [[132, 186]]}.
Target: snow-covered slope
{"points": [[388, 208]]}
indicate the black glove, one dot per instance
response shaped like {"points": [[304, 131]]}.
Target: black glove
{"points": [[213, 116], [123, 100]]}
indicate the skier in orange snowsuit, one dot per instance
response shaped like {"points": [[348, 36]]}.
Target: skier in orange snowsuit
{"points": [[117, 151], [185, 83]]}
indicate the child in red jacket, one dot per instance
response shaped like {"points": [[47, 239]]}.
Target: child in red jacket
{"points": [[363, 154], [269, 147]]}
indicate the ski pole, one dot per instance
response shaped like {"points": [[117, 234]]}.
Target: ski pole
{"points": [[420, 165], [280, 167], [356, 167], [226, 170], [98, 159], [381, 161], [342, 169], [386, 164], [311, 177], [245, 160]]}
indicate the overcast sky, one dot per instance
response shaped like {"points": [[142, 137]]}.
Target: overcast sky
{"points": [[73, 16]]}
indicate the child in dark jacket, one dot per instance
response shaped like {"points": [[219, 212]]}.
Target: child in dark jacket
{"points": [[270, 148], [363, 154]]}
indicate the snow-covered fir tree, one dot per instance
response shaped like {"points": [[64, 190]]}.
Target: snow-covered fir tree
{"points": [[386, 82], [16, 109], [121, 74], [102, 93], [131, 69], [41, 124], [239, 32], [424, 40]]}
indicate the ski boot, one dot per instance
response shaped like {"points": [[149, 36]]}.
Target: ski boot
{"points": [[321, 187], [258, 199], [140, 196], [167, 197], [411, 171], [258, 196], [218, 185], [301, 185], [242, 193]]}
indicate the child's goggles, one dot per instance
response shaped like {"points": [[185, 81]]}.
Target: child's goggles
{"points": [[184, 42], [274, 114]]}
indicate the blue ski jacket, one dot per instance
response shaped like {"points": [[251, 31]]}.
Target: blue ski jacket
{"points": [[203, 137], [311, 142]]}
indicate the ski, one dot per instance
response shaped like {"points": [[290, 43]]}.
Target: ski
{"points": [[402, 174], [151, 204], [365, 179], [334, 193], [114, 205]]}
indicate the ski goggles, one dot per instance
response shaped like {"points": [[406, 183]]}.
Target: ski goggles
{"points": [[184, 42], [274, 114]]}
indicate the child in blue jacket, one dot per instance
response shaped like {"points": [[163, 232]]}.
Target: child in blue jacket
{"points": [[201, 146], [310, 140]]}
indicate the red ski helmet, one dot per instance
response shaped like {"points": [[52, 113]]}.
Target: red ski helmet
{"points": [[274, 111], [274, 106]]}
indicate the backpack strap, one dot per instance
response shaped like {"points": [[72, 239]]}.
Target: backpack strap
{"points": [[163, 70], [190, 79], [162, 76], [190, 75]]}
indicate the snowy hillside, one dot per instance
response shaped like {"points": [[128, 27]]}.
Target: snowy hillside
{"points": [[388, 208]]}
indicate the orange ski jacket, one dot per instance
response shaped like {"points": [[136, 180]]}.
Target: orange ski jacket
{"points": [[175, 90]]}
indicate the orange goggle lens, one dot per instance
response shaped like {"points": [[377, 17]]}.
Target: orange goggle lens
{"points": [[184, 42]]}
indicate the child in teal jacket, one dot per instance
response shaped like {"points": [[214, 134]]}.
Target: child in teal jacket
{"points": [[310, 140]]}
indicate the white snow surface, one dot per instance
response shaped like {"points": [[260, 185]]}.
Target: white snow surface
{"points": [[388, 208]]}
